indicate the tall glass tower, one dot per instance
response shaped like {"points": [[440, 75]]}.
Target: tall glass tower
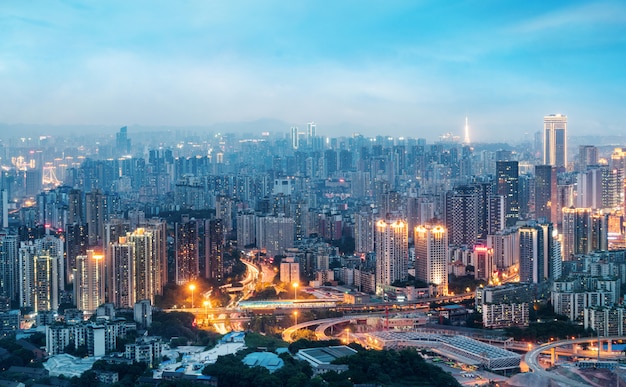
{"points": [[555, 140]]}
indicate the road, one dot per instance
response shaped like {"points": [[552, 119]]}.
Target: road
{"points": [[532, 357]]}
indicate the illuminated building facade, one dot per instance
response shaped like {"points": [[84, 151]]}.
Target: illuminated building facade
{"points": [[431, 256], [392, 252], [482, 258], [89, 281], [555, 140]]}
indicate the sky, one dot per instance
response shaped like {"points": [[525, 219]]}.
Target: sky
{"points": [[400, 68]]}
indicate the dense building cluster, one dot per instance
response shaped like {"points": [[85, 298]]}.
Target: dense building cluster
{"points": [[90, 224]]}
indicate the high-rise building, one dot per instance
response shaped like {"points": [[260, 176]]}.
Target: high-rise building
{"points": [[76, 243], [599, 232], [555, 140], [274, 234], [122, 142], [96, 215], [535, 252], [431, 256], [508, 186], [214, 249], [147, 262], [89, 282], [505, 248], [245, 229], [587, 156], [187, 250], [364, 232], [589, 188], [576, 230], [295, 140], [121, 273], [462, 216], [391, 246], [482, 258], [38, 274], [310, 133], [545, 193], [4, 208], [9, 266], [496, 213], [135, 265]]}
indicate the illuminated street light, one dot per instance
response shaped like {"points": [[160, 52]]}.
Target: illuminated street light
{"points": [[295, 290], [347, 335], [192, 287]]}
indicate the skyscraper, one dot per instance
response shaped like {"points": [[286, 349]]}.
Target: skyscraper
{"points": [[38, 274], [295, 140], [391, 246], [214, 249], [147, 263], [187, 250], [431, 256], [121, 273], [576, 231], [462, 216], [555, 140], [535, 252], [508, 186], [89, 281], [310, 133], [96, 215], [545, 193]]}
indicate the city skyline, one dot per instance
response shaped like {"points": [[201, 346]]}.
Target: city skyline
{"points": [[406, 69]]}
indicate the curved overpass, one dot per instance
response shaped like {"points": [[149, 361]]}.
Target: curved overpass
{"points": [[531, 358], [322, 325]]}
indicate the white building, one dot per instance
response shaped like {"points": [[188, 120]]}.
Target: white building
{"points": [[431, 256], [392, 252], [89, 281]]}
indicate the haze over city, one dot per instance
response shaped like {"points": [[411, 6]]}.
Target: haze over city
{"points": [[402, 68]]}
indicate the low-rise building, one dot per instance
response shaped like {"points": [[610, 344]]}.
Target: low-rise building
{"points": [[505, 315], [145, 349]]}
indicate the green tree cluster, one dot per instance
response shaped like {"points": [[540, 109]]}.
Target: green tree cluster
{"points": [[231, 372], [391, 368], [548, 330], [387, 368]]}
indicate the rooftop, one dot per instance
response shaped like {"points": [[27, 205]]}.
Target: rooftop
{"points": [[324, 355], [268, 360]]}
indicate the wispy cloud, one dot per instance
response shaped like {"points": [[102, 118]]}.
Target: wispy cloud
{"points": [[597, 14]]}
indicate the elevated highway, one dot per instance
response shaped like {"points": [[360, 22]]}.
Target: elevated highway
{"points": [[532, 356]]}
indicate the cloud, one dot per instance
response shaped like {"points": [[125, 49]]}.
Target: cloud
{"points": [[587, 14]]}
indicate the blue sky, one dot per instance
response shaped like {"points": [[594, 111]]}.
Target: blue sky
{"points": [[404, 68]]}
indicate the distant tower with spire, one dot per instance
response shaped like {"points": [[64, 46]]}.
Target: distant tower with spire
{"points": [[466, 140]]}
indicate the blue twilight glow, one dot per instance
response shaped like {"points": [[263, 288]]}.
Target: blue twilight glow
{"points": [[406, 68]]}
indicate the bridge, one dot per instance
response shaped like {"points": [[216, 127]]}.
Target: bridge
{"points": [[532, 356]]}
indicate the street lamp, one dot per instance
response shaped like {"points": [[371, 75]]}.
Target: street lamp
{"points": [[295, 290], [347, 335], [192, 287]]}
